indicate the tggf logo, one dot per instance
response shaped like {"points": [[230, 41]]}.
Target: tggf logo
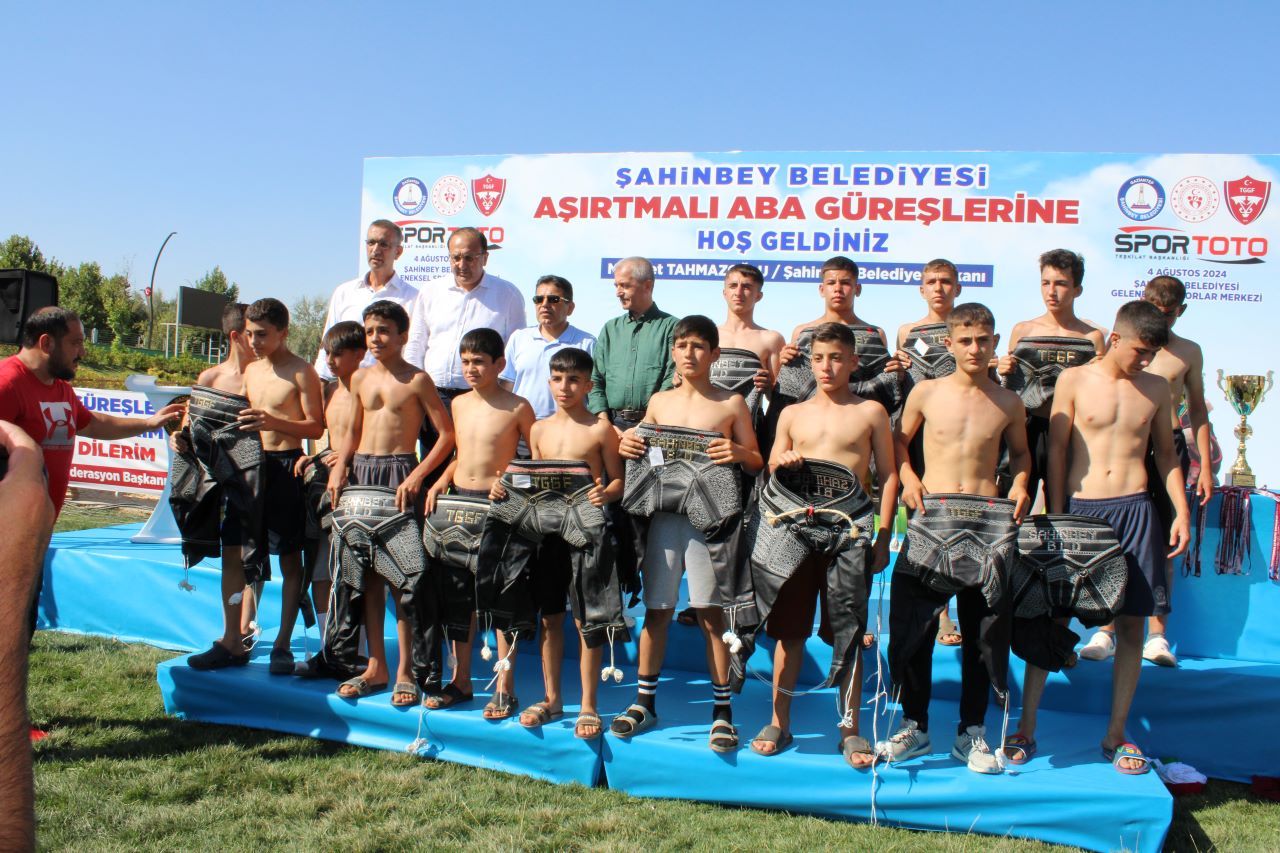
{"points": [[1247, 198], [1141, 198]]}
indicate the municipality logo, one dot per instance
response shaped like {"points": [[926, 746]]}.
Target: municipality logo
{"points": [[410, 197], [1141, 198]]}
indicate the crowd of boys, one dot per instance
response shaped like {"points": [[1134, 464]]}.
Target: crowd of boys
{"points": [[571, 471]]}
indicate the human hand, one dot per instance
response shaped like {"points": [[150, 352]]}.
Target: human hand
{"points": [[631, 446], [596, 495], [171, 412], [790, 459], [1004, 365], [256, 420]]}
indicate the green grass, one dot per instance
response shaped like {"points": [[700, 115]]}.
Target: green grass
{"points": [[117, 774]]}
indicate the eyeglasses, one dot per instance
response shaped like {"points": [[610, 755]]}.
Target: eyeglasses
{"points": [[551, 298], [466, 259]]}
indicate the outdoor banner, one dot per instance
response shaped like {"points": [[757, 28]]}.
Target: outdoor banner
{"points": [[138, 464], [1204, 218]]}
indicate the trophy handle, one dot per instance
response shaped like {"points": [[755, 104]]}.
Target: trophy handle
{"points": [[1270, 382], [1221, 387]]}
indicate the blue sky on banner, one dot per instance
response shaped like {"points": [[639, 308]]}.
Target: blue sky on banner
{"points": [[242, 126]]}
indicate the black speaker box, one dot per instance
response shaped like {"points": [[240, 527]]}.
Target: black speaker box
{"points": [[22, 293]]}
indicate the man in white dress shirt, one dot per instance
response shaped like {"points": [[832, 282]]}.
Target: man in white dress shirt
{"points": [[450, 306], [384, 243]]}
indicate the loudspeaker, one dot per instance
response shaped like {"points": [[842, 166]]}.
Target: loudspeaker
{"points": [[22, 293]]}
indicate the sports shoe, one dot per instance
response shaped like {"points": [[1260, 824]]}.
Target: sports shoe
{"points": [[1158, 652], [1101, 646], [971, 748], [907, 742]]}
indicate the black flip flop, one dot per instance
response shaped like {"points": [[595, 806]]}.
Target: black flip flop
{"points": [[447, 698]]}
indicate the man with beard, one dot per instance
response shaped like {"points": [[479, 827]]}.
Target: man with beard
{"points": [[36, 394]]}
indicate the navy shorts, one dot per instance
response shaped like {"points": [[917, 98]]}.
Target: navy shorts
{"points": [[284, 503], [1133, 518]]}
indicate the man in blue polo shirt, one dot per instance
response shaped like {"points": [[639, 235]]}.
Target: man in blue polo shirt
{"points": [[529, 350]]}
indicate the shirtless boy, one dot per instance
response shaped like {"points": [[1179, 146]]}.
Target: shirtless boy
{"points": [[836, 426], [674, 545], [489, 422], [344, 348], [939, 287], [1104, 415], [743, 290], [237, 618], [964, 416], [388, 403], [1061, 283], [286, 406], [838, 289], [1181, 363], [571, 433]]}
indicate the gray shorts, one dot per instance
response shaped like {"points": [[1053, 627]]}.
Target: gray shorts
{"points": [[675, 547]]}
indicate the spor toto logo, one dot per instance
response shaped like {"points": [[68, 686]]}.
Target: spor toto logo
{"points": [[449, 195], [410, 196], [1141, 198], [1194, 199]]}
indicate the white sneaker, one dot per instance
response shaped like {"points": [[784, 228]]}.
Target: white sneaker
{"points": [[1158, 652], [1101, 646], [907, 742], [971, 748]]}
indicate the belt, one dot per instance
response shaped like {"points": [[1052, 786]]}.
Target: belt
{"points": [[632, 415], [450, 393]]}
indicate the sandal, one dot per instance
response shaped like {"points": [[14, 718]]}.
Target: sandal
{"points": [[405, 688], [540, 714], [772, 735], [633, 721], [360, 686], [588, 720], [856, 745], [1127, 750], [724, 737], [1019, 749], [688, 616], [281, 662], [216, 658], [950, 638], [447, 698], [501, 706]]}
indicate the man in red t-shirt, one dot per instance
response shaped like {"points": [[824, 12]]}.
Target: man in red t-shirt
{"points": [[35, 394]]}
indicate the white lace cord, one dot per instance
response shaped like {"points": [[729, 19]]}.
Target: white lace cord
{"points": [[185, 583], [486, 653], [611, 671], [1001, 760], [730, 637], [880, 694], [419, 743], [254, 628], [504, 663]]}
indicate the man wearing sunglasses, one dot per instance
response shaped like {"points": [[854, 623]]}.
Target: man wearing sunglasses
{"points": [[529, 350]]}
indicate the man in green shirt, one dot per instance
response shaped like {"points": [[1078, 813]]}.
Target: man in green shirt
{"points": [[633, 351]]}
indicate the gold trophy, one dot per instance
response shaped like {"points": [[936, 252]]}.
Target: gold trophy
{"points": [[1244, 392]]}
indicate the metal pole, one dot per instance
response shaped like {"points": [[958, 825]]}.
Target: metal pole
{"points": [[151, 308]]}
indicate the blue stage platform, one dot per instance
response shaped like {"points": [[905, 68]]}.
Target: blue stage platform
{"points": [[98, 582]]}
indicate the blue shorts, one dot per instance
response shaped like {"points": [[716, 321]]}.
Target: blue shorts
{"points": [[1138, 530]]}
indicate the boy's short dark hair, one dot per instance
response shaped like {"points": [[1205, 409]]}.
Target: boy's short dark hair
{"points": [[269, 310], [52, 320], [697, 326], [971, 314], [346, 336], [840, 262], [751, 271], [389, 226], [1166, 291], [1144, 320], [835, 333], [385, 309], [1065, 260], [560, 283], [484, 342], [941, 264], [572, 360], [233, 317]]}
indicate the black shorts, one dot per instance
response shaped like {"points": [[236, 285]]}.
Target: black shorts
{"points": [[802, 597], [550, 576], [284, 503], [229, 529]]}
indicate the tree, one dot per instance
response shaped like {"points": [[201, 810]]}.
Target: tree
{"points": [[306, 325], [215, 281], [21, 252], [81, 289]]}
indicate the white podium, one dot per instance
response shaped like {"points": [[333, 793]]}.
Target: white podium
{"points": [[161, 528]]}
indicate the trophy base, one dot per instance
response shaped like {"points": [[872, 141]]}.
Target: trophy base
{"points": [[1247, 481]]}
